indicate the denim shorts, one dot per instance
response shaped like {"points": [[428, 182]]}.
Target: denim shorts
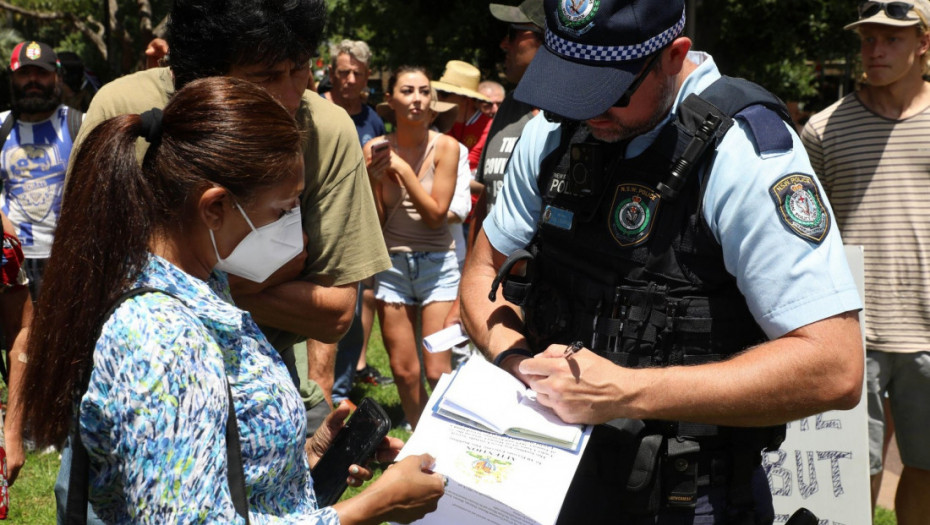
{"points": [[419, 278], [905, 378]]}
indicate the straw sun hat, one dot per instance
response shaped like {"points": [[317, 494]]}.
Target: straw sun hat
{"points": [[460, 78]]}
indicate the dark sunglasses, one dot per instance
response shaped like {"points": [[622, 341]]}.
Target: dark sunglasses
{"points": [[895, 10], [624, 99]]}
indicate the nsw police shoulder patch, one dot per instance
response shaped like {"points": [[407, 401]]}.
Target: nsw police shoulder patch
{"points": [[800, 206], [632, 214]]}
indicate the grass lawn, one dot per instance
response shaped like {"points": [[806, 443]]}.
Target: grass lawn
{"points": [[32, 500]]}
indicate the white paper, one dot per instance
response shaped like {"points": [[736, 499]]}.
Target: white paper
{"points": [[492, 478], [445, 339]]}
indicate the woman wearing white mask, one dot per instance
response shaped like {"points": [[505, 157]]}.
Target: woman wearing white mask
{"points": [[170, 379]]}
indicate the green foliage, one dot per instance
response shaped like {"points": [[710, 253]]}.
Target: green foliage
{"points": [[781, 44], [79, 26], [884, 516], [420, 32]]}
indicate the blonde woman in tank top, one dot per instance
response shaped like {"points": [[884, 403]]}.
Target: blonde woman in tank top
{"points": [[413, 179]]}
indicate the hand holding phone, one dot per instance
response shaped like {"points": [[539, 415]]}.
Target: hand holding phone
{"points": [[353, 445], [380, 149]]}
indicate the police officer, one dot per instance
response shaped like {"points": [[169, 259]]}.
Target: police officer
{"points": [[668, 219]]}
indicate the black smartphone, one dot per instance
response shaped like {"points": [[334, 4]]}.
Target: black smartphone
{"points": [[354, 444]]}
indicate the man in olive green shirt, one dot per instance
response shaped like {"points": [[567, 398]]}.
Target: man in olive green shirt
{"points": [[271, 46]]}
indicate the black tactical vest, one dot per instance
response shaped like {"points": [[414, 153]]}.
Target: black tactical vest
{"points": [[623, 260]]}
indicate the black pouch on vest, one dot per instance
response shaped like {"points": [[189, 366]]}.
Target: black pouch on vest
{"points": [[638, 466], [619, 472]]}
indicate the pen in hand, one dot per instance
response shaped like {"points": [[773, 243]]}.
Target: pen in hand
{"points": [[571, 349]]}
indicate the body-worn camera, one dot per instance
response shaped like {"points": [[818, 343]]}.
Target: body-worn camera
{"points": [[585, 173]]}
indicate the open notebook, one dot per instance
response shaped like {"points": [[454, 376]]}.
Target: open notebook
{"points": [[485, 397]]}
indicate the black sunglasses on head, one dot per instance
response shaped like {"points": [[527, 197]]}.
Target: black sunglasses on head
{"points": [[894, 10]]}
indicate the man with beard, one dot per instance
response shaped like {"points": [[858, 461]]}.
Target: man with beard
{"points": [[39, 132], [668, 223]]}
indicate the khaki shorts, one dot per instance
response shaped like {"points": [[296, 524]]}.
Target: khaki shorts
{"points": [[905, 379]]}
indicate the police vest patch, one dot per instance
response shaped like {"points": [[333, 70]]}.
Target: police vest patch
{"points": [[632, 214], [800, 206]]}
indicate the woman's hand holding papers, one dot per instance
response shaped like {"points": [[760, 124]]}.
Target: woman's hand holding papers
{"points": [[405, 492]]}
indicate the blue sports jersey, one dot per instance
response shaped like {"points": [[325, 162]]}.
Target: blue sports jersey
{"points": [[33, 162]]}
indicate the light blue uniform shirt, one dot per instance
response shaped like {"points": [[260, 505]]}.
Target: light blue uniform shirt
{"points": [[788, 281]]}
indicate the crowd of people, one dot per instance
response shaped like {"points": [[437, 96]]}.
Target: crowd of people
{"points": [[171, 255]]}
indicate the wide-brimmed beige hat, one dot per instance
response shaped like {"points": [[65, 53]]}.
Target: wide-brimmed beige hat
{"points": [[446, 112], [460, 78]]}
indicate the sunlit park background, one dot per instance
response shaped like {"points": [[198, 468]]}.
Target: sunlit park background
{"points": [[795, 48]]}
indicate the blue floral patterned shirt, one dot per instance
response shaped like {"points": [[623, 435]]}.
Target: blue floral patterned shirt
{"points": [[154, 416]]}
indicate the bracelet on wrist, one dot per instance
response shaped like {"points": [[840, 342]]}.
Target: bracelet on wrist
{"points": [[509, 352]]}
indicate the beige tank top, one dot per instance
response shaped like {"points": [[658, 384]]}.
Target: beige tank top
{"points": [[404, 229]]}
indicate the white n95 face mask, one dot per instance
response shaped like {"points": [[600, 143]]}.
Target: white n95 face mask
{"points": [[264, 250]]}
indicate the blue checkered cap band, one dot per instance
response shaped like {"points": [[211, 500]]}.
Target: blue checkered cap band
{"points": [[574, 50]]}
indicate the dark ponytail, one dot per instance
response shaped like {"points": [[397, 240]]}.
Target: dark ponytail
{"points": [[215, 131]]}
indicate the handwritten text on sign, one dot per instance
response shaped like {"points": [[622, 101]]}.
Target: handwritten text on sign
{"points": [[822, 467]]}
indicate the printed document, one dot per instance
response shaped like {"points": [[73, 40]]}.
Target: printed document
{"points": [[493, 478]]}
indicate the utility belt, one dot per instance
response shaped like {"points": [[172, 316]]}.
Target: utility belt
{"points": [[658, 466]]}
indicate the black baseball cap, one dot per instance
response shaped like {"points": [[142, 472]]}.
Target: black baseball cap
{"points": [[34, 54], [593, 51]]}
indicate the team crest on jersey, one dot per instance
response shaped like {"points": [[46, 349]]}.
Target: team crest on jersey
{"points": [[36, 174], [632, 214], [575, 16], [800, 206]]}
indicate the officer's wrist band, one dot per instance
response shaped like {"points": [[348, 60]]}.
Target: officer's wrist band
{"points": [[509, 352]]}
